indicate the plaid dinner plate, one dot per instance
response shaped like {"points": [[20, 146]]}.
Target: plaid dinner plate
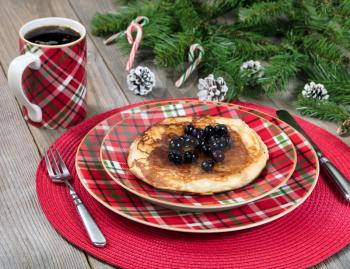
{"points": [[280, 166], [273, 206]]}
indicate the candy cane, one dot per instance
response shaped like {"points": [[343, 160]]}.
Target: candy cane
{"points": [[135, 43], [194, 62], [142, 20]]}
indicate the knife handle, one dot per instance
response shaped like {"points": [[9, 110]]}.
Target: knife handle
{"points": [[336, 176]]}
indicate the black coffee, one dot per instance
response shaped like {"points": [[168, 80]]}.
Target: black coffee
{"points": [[52, 35]]}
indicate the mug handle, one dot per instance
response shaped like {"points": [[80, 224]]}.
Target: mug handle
{"points": [[14, 76]]}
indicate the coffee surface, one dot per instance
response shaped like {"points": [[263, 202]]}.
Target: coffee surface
{"points": [[52, 35]]}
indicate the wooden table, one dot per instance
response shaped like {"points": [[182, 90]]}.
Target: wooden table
{"points": [[27, 239]]}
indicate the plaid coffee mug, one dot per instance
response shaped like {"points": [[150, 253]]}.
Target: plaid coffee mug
{"points": [[49, 81]]}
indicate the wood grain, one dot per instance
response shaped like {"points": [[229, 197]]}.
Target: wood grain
{"points": [[37, 245]]}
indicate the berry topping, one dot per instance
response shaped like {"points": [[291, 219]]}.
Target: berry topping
{"points": [[206, 148], [189, 129], [218, 155], [208, 165], [217, 142], [189, 141], [221, 129], [209, 131], [198, 133], [190, 156], [214, 144], [176, 143], [211, 141], [175, 156], [221, 142]]}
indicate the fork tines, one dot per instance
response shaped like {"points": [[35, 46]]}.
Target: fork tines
{"points": [[60, 170]]}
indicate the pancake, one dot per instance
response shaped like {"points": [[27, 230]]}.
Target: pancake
{"points": [[244, 160]]}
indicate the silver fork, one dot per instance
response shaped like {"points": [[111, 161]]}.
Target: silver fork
{"points": [[62, 175]]}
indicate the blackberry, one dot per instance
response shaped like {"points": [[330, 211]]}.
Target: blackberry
{"points": [[213, 138], [175, 156], [190, 156], [189, 141], [221, 142], [221, 129], [176, 143], [214, 144], [209, 131], [189, 129], [217, 143], [198, 133], [218, 155], [205, 148], [200, 143], [208, 165]]}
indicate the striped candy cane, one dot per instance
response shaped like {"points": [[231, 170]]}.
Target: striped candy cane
{"points": [[135, 43], [194, 62], [142, 20]]}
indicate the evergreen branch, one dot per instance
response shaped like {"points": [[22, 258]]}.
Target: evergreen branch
{"points": [[248, 50], [344, 8], [187, 15], [262, 12], [171, 51], [217, 50], [322, 110], [213, 9], [109, 23], [244, 44], [325, 25], [279, 71], [321, 46], [319, 69], [339, 91], [106, 24]]}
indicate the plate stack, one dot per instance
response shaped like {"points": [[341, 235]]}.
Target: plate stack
{"points": [[287, 180]]}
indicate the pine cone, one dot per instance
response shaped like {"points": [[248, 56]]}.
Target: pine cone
{"points": [[253, 68], [315, 91], [212, 89], [141, 80]]}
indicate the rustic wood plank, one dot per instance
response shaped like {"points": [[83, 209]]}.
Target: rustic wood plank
{"points": [[27, 239]]}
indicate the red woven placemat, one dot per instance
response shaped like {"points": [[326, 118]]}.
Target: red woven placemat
{"points": [[314, 231]]}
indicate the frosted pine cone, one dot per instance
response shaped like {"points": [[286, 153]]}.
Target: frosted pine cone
{"points": [[316, 91], [212, 89], [253, 68], [141, 80]]}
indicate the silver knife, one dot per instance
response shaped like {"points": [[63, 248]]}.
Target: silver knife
{"points": [[327, 167]]}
